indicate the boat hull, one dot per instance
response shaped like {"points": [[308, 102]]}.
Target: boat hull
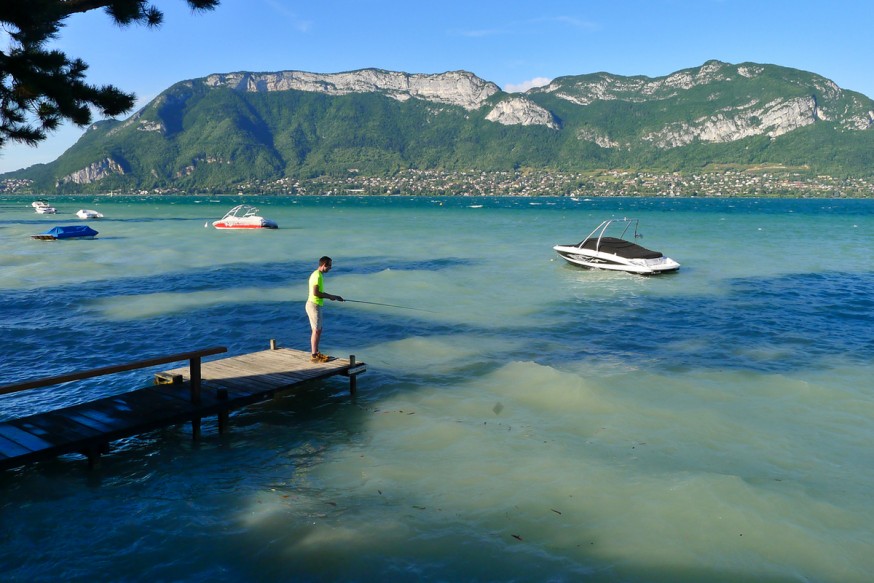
{"points": [[244, 216], [265, 224], [608, 261], [69, 232], [43, 208]]}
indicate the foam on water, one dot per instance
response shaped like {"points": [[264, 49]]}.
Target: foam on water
{"points": [[520, 419], [603, 470], [144, 306]]}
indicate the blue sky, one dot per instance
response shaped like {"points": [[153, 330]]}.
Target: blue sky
{"points": [[509, 42]]}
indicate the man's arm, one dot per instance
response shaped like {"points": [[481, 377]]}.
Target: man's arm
{"points": [[325, 295]]}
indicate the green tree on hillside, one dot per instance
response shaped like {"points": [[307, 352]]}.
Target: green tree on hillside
{"points": [[41, 88]]}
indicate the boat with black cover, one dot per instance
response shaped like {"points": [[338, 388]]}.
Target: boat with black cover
{"points": [[616, 253]]}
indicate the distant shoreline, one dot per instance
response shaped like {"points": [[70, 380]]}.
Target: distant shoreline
{"points": [[740, 182], [50, 197]]}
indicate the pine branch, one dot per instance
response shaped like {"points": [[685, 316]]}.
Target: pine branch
{"points": [[39, 89]]}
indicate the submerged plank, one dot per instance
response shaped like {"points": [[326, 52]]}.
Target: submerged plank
{"points": [[56, 427], [23, 438], [227, 383], [11, 449]]}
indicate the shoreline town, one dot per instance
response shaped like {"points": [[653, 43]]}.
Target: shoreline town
{"points": [[773, 182]]}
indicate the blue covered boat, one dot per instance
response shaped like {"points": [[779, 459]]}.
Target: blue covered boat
{"points": [[71, 232]]}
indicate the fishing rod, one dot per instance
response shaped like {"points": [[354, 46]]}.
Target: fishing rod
{"points": [[388, 305]]}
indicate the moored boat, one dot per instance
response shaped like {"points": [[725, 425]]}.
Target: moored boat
{"points": [[244, 216], [43, 208], [88, 214], [67, 232], [616, 253]]}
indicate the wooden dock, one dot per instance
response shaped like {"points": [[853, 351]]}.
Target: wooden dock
{"points": [[179, 395]]}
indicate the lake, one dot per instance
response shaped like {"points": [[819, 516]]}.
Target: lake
{"points": [[521, 419]]}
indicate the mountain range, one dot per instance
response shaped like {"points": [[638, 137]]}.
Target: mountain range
{"points": [[216, 133]]}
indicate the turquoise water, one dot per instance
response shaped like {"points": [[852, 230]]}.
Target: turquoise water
{"points": [[527, 421]]}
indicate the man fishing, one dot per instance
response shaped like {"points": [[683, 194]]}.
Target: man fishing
{"points": [[315, 301]]}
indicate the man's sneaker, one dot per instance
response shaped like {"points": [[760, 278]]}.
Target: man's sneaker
{"points": [[314, 358], [324, 357]]}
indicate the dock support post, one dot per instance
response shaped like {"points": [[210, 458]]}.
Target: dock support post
{"points": [[272, 344], [93, 455], [194, 368], [353, 378]]}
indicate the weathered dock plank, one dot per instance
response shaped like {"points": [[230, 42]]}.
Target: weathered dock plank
{"points": [[268, 370], [23, 438], [11, 449], [225, 384], [58, 429]]}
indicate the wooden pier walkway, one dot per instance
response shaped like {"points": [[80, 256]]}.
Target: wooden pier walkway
{"points": [[179, 395]]}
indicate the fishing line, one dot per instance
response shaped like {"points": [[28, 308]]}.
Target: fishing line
{"points": [[389, 305]]}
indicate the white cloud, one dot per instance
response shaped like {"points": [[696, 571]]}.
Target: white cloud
{"points": [[299, 24], [526, 85], [571, 21], [479, 33]]}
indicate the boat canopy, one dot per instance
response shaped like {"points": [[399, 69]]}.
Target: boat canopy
{"points": [[619, 247], [71, 231]]}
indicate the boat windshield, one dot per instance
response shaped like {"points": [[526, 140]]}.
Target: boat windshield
{"points": [[241, 211], [618, 229]]}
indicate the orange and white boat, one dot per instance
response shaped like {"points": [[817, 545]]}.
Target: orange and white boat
{"points": [[244, 217]]}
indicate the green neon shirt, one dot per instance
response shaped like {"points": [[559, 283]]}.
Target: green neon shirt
{"points": [[316, 279]]}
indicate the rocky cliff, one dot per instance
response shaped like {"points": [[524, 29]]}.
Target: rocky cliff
{"points": [[812, 98], [94, 172], [225, 130], [454, 88]]}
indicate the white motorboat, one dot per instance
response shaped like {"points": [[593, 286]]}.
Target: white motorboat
{"points": [[616, 253], [88, 214], [244, 216], [43, 208]]}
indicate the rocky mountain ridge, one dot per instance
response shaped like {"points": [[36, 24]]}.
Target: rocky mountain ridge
{"points": [[459, 88], [455, 88], [774, 118], [225, 128]]}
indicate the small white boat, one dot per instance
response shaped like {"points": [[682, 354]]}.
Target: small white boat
{"points": [[244, 216], [88, 214], [600, 251], [43, 208]]}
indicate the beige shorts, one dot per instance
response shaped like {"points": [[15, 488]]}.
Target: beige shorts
{"points": [[314, 311]]}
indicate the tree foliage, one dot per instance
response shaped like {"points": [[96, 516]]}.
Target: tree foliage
{"points": [[39, 87]]}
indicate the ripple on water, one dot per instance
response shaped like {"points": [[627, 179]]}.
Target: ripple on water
{"points": [[537, 422]]}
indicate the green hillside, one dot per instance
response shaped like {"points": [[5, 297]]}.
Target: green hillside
{"points": [[198, 136]]}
